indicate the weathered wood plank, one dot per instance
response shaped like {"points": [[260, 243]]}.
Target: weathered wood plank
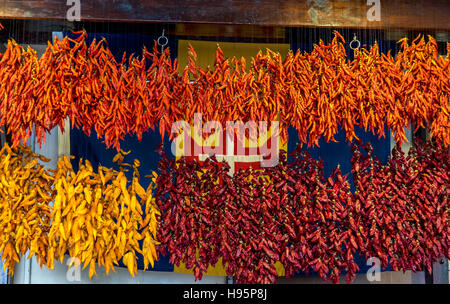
{"points": [[411, 14], [227, 30]]}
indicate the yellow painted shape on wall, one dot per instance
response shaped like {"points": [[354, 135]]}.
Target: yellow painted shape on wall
{"points": [[214, 140], [280, 269], [219, 269], [206, 51]]}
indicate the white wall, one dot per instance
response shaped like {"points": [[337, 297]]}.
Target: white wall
{"points": [[3, 276], [61, 275]]}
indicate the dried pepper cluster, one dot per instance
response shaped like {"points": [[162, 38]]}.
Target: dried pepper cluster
{"points": [[315, 92], [25, 212], [290, 213], [295, 215], [96, 217], [402, 209]]}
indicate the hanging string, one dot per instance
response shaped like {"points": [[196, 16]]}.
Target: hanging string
{"points": [[355, 44], [162, 41]]}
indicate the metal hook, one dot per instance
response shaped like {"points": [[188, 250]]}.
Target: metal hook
{"points": [[355, 40], [162, 44]]}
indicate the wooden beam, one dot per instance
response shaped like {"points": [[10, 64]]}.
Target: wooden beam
{"points": [[399, 14], [227, 30]]}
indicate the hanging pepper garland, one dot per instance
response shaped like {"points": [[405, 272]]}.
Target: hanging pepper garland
{"points": [[292, 213], [403, 207], [25, 212], [96, 217], [317, 92]]}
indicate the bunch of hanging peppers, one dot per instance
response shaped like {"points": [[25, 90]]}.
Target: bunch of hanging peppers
{"points": [[292, 213], [317, 92], [99, 218]]}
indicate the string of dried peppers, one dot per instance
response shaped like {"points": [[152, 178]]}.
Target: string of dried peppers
{"points": [[317, 92], [293, 214], [290, 213], [25, 212], [96, 217]]}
